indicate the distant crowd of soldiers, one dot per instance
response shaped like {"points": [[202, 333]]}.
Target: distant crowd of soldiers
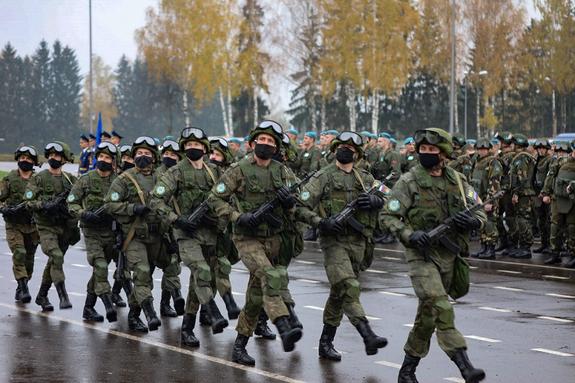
{"points": [[208, 202]]}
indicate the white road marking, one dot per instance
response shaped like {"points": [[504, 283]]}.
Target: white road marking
{"points": [[507, 288], [455, 380], [475, 337], [307, 280], [76, 294], [392, 258], [552, 352], [410, 325], [509, 272], [494, 309], [372, 318], [305, 262], [392, 294], [376, 271], [555, 319], [473, 267], [150, 342], [555, 277], [240, 270], [7, 253], [79, 265], [389, 364], [237, 293], [560, 296], [314, 308]]}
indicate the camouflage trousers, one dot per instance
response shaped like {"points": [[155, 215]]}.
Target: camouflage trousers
{"points": [[490, 234], [198, 254], [542, 213], [562, 230], [227, 254], [22, 241], [54, 243], [505, 210], [343, 256], [520, 229], [100, 252], [268, 283], [434, 312]]}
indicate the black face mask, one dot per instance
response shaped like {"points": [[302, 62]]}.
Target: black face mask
{"points": [[54, 164], [127, 165], [104, 166], [143, 162], [194, 154], [217, 163], [25, 166], [265, 152], [169, 162], [344, 155], [428, 160]]}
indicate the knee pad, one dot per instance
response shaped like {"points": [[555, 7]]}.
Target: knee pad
{"points": [[351, 289], [274, 280], [224, 266], [203, 274]]}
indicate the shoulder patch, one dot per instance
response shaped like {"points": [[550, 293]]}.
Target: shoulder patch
{"points": [[160, 190], [305, 195], [71, 198], [29, 194], [115, 196], [393, 205], [221, 187], [410, 158]]}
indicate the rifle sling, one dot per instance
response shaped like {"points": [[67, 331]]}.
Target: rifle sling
{"points": [[132, 230]]}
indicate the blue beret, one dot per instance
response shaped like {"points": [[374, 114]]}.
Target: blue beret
{"points": [[393, 140], [246, 138], [332, 132], [311, 134], [293, 131], [235, 140], [385, 135], [408, 140]]}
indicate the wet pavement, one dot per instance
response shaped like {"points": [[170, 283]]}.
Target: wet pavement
{"points": [[518, 328]]}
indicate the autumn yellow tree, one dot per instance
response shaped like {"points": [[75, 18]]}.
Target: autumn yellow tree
{"points": [[103, 85]]}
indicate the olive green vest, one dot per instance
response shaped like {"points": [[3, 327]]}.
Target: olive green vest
{"points": [[480, 176], [16, 186], [565, 175], [194, 185], [50, 187]]}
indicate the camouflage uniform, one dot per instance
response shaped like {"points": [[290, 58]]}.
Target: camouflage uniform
{"points": [[409, 161], [387, 168], [463, 164], [505, 205], [308, 161], [542, 210]]}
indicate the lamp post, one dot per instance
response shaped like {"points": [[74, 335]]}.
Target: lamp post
{"points": [[553, 105], [91, 74], [466, 78]]}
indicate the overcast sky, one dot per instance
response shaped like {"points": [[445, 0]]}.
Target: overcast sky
{"points": [[24, 23]]}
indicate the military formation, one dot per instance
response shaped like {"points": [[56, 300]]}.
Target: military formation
{"points": [[208, 203]]}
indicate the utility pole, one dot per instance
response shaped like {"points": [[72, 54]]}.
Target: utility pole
{"points": [[452, 83], [91, 74]]}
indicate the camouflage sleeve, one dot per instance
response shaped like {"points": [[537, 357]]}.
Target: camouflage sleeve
{"points": [[394, 212], [32, 194], [116, 203], [4, 189], [494, 177], [310, 197], [220, 198], [315, 161], [163, 192], [472, 198], [76, 197], [550, 178], [394, 168]]}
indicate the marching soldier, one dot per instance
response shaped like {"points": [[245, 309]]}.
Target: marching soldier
{"points": [[21, 232], [421, 200], [542, 210], [126, 160], [344, 248], [507, 144]]}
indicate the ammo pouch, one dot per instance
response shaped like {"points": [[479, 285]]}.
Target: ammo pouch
{"points": [[460, 281], [368, 255]]}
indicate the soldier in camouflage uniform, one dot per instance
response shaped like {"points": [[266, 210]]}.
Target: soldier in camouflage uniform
{"points": [[421, 200], [309, 156], [558, 230], [246, 186], [485, 179], [542, 210], [46, 197], [85, 202], [344, 248], [128, 201], [387, 168], [185, 186], [126, 161], [507, 143], [409, 159], [21, 233], [519, 221], [462, 161], [372, 150], [327, 155], [170, 153]]}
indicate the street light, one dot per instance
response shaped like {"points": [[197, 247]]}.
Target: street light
{"points": [[466, 74], [553, 106]]}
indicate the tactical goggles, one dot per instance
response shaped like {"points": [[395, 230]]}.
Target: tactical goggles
{"points": [[429, 137], [219, 141], [125, 148], [350, 136], [562, 147], [195, 132], [541, 144], [145, 140], [170, 145], [271, 125], [285, 139], [483, 145], [108, 145], [27, 149], [55, 147]]}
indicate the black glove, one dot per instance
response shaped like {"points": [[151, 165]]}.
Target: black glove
{"points": [[330, 226], [51, 208], [369, 201], [286, 198], [419, 239], [140, 209], [466, 222], [247, 220], [90, 217], [182, 223], [208, 220]]}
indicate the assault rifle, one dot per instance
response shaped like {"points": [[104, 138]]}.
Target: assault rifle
{"points": [[439, 233], [13, 210], [118, 246], [346, 215], [57, 205]]}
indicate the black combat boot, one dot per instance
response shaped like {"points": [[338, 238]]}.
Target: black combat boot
{"points": [[116, 297], [523, 252], [179, 302], [326, 349], [293, 319], [290, 336], [165, 309], [371, 341], [407, 370], [151, 316], [262, 328], [503, 244], [90, 314], [480, 252], [570, 262], [219, 323], [468, 372], [24, 292], [239, 354], [544, 246], [231, 306], [42, 297], [489, 252], [553, 258], [509, 251], [205, 319], [111, 314], [63, 295], [187, 334], [134, 321]]}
